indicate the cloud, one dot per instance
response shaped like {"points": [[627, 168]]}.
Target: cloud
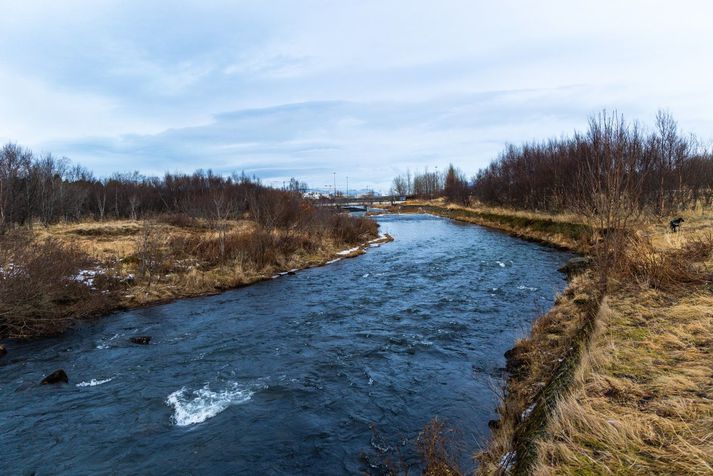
{"points": [[361, 88], [367, 141]]}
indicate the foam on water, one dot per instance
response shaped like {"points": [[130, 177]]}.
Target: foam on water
{"points": [[196, 406], [104, 344], [94, 382]]}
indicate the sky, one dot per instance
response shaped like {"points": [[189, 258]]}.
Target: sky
{"points": [[364, 89]]}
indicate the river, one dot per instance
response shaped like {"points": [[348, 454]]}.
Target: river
{"points": [[331, 371]]}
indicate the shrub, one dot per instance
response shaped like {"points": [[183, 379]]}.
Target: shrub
{"points": [[435, 443], [668, 269], [151, 255], [256, 249], [180, 220], [352, 230], [46, 286]]}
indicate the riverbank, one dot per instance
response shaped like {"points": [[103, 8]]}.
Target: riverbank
{"points": [[351, 358], [565, 232], [98, 267], [614, 384]]}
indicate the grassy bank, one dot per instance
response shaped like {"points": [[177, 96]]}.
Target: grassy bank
{"points": [[56, 275], [642, 399], [561, 231], [615, 384]]}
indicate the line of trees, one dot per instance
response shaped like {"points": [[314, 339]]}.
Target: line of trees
{"points": [[665, 170], [452, 184], [45, 189], [611, 175], [669, 170]]}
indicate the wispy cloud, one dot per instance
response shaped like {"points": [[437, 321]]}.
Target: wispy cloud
{"points": [[367, 141], [360, 88]]}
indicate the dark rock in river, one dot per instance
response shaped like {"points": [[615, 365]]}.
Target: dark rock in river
{"points": [[517, 361], [143, 340], [3, 350], [58, 376], [493, 424], [576, 265]]}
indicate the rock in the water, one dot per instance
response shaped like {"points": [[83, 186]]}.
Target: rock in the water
{"points": [[58, 376], [3, 350], [143, 340], [517, 361], [576, 265], [493, 424]]}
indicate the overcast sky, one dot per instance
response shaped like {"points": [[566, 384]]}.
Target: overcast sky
{"points": [[361, 88]]}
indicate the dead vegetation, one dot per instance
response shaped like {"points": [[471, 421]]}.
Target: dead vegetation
{"points": [[667, 269], [643, 402], [51, 277], [540, 367], [436, 445], [639, 399], [46, 286], [643, 398], [560, 231], [593, 411]]}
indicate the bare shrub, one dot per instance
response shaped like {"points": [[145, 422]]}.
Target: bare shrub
{"points": [[256, 249], [674, 171], [670, 268], [151, 255], [180, 220], [45, 287], [610, 186], [435, 443], [352, 230]]}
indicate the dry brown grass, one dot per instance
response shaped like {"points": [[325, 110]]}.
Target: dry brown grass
{"points": [[481, 207], [116, 239], [561, 230], [176, 256], [45, 286], [641, 401], [436, 445], [532, 364]]}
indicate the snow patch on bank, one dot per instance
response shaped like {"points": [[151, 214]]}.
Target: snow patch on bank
{"points": [[349, 251], [87, 276]]}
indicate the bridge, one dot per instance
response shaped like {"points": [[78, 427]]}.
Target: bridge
{"points": [[360, 204]]}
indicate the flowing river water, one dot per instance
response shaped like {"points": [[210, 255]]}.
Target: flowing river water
{"points": [[331, 371]]}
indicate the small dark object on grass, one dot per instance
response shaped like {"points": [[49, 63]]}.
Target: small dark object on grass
{"points": [[143, 340], [58, 376], [675, 223]]}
